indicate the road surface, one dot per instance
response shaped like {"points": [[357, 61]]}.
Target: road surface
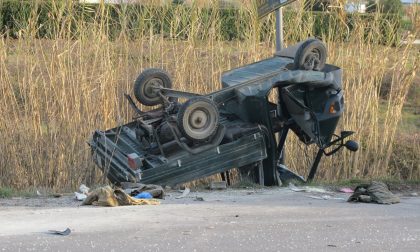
{"points": [[231, 220]]}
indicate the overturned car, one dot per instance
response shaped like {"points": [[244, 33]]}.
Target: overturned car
{"points": [[235, 127]]}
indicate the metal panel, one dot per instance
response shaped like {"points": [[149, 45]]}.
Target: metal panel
{"points": [[111, 158], [244, 151]]}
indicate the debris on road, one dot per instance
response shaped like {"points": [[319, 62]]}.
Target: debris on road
{"points": [[184, 193], [135, 189], [198, 198], [325, 197], [106, 196], [66, 232], [377, 192], [80, 196], [311, 189], [346, 190], [84, 189], [143, 195], [82, 193], [318, 193]]}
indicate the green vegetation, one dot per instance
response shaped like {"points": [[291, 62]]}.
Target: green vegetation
{"points": [[385, 6], [6, 192]]}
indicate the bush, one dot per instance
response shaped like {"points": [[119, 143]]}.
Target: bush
{"points": [[385, 6]]}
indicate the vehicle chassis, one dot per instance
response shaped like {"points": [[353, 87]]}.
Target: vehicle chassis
{"points": [[251, 132]]}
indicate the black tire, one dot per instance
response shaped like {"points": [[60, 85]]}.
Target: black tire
{"points": [[198, 119], [143, 86], [311, 55]]}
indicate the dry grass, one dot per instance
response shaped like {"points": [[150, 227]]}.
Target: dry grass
{"points": [[54, 93]]}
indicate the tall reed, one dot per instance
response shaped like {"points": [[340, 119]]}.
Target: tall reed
{"points": [[55, 91]]}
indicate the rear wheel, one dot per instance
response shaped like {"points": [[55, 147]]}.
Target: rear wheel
{"points": [[198, 119], [147, 84]]}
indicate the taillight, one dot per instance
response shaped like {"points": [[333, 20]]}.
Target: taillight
{"points": [[134, 161]]}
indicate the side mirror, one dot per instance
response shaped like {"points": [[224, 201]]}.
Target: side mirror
{"points": [[352, 145]]}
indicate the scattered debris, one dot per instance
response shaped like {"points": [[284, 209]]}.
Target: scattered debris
{"points": [[63, 233], [346, 190], [106, 196], [184, 193], [80, 196], [294, 188], [377, 192], [325, 197], [134, 189], [199, 198], [84, 189], [143, 195], [311, 189], [218, 185], [83, 192]]}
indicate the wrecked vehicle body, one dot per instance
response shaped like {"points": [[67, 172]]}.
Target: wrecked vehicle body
{"points": [[235, 127]]}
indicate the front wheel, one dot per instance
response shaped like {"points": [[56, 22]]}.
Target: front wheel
{"points": [[311, 55]]}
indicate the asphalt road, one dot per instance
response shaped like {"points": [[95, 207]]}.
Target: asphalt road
{"points": [[233, 220]]}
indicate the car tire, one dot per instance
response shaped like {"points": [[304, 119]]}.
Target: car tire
{"points": [[311, 55], [143, 86]]}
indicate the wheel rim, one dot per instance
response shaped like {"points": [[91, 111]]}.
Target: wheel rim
{"points": [[149, 89], [313, 60], [199, 121]]}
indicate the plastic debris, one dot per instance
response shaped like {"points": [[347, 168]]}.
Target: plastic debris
{"points": [[346, 190], [184, 193], [134, 189], [80, 196], [63, 233], [84, 189], [311, 189], [143, 195], [325, 197]]}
